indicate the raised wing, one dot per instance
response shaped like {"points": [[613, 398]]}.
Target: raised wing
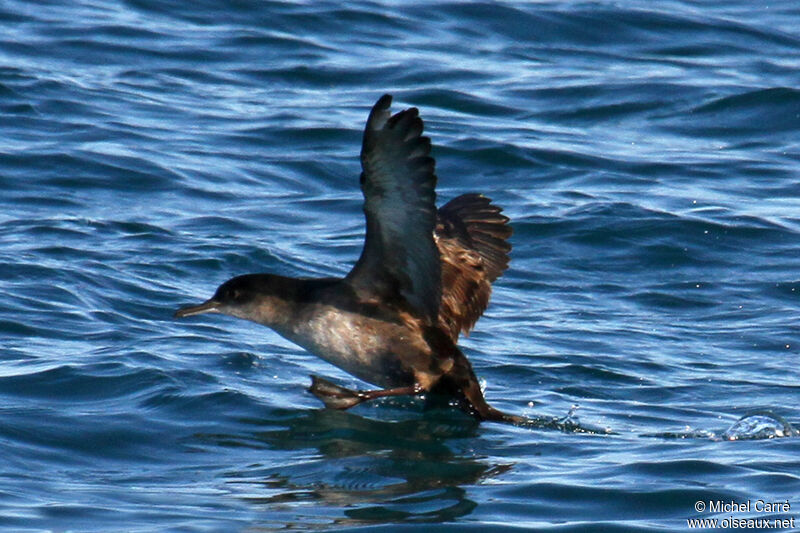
{"points": [[471, 234], [400, 258]]}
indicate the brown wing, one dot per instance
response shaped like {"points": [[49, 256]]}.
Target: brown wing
{"points": [[400, 260], [471, 235]]}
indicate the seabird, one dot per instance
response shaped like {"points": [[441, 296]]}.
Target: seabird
{"points": [[424, 276]]}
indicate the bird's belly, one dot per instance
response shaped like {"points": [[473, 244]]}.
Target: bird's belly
{"points": [[376, 351]]}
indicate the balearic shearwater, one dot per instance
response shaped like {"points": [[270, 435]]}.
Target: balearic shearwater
{"points": [[424, 276]]}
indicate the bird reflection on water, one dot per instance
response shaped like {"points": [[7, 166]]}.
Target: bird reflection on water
{"points": [[408, 467]]}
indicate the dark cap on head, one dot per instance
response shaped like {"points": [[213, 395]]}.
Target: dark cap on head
{"points": [[237, 295], [236, 291]]}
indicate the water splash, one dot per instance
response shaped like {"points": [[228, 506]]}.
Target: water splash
{"points": [[569, 423], [759, 425]]}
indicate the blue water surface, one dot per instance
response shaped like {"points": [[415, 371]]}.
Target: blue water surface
{"points": [[648, 154]]}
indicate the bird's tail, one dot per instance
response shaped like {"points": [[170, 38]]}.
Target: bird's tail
{"points": [[462, 383]]}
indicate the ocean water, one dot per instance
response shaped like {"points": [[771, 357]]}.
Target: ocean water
{"points": [[648, 154]]}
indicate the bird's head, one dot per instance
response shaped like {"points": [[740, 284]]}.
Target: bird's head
{"points": [[245, 297]]}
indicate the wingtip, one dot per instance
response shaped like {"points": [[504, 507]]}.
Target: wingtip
{"points": [[382, 106], [384, 102], [380, 113]]}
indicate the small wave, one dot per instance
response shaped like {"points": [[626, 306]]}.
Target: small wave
{"points": [[746, 114]]}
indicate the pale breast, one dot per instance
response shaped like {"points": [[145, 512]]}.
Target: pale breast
{"points": [[376, 351]]}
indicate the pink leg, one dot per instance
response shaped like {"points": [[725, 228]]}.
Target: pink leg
{"points": [[336, 397]]}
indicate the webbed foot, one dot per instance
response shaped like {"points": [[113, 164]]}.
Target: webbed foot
{"points": [[334, 396]]}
